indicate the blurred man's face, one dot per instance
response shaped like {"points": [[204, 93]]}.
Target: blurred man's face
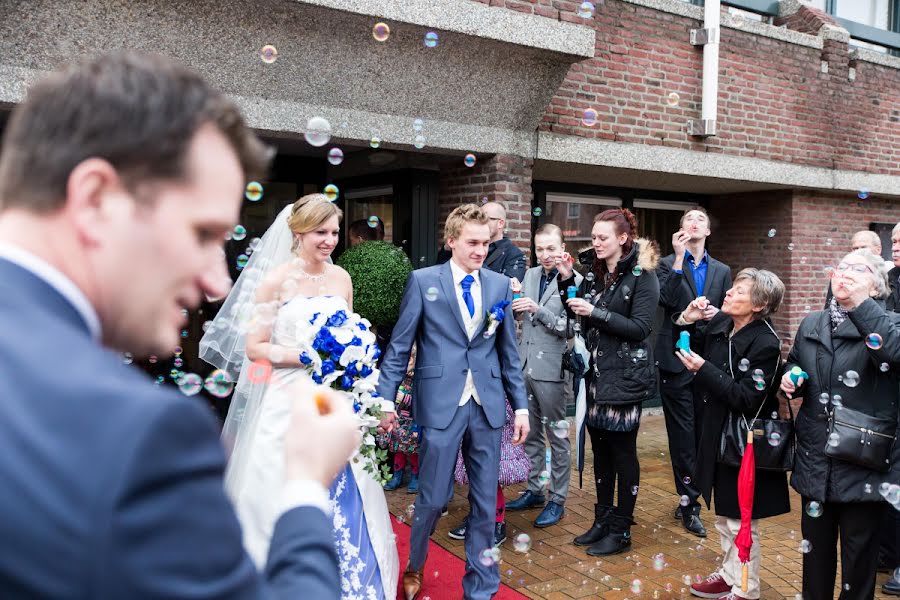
{"points": [[895, 249], [861, 240], [158, 256], [496, 220]]}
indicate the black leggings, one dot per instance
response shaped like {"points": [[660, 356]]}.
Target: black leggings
{"points": [[615, 458]]}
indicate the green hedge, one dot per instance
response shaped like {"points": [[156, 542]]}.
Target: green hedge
{"points": [[379, 271]]}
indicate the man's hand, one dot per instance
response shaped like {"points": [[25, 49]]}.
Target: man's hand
{"points": [[322, 435], [564, 266], [520, 429], [691, 360], [679, 241], [524, 304], [388, 421]]}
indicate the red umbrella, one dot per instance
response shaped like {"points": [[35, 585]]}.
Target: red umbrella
{"points": [[746, 482]]}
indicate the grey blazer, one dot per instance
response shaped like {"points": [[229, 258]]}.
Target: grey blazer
{"points": [[430, 317], [543, 342]]}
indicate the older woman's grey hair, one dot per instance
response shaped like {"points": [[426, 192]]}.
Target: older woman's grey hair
{"points": [[879, 271], [766, 290]]}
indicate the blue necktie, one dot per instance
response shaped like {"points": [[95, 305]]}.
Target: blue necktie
{"points": [[466, 284]]}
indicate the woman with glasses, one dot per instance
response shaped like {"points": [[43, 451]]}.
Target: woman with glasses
{"points": [[845, 369]]}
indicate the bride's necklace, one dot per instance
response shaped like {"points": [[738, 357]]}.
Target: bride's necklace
{"points": [[310, 276]]}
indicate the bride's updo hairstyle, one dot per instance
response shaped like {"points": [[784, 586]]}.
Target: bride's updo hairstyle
{"points": [[309, 212]]}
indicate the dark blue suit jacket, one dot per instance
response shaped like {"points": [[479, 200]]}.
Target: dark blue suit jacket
{"points": [[112, 487]]}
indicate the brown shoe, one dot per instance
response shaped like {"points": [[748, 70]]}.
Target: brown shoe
{"points": [[412, 584]]}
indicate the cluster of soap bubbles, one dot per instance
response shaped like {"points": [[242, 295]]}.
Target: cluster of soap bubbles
{"points": [[489, 557]]}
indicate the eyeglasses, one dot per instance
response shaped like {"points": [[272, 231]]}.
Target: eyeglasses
{"points": [[855, 267]]}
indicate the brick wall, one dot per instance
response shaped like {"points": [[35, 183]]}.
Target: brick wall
{"points": [[774, 102], [502, 178], [812, 233]]}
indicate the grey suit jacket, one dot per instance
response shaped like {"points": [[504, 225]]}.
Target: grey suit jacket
{"points": [[543, 341], [430, 317]]}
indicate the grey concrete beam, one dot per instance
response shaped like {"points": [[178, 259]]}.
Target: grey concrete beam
{"points": [[676, 161], [470, 18]]}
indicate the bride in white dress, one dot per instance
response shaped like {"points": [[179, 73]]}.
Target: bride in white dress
{"points": [[288, 280]]}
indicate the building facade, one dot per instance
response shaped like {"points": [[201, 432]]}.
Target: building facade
{"points": [[566, 107]]}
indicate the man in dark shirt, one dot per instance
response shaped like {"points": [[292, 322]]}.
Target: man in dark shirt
{"points": [[684, 275], [890, 533], [503, 255]]}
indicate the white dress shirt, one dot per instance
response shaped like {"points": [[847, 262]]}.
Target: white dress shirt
{"points": [[295, 493]]}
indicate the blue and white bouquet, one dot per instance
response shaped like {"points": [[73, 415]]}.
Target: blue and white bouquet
{"points": [[339, 350]]}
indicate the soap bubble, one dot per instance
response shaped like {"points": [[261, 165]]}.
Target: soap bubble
{"points": [[686, 579], [431, 294], [823, 398], [659, 563], [239, 233], [469, 160], [837, 400], [686, 480], [375, 142], [489, 557], [254, 191], [805, 546], [884, 367], [863, 194], [791, 246], [331, 192], [673, 99], [536, 211], [774, 438], [522, 543], [851, 379], [636, 271], [893, 494], [684, 501], [411, 511], [814, 509], [218, 383], [772, 233], [335, 156], [190, 384], [418, 125], [242, 261], [589, 118], [431, 39], [634, 490], [874, 341], [586, 10], [544, 478], [884, 488], [561, 428], [834, 439], [127, 358], [318, 131], [867, 488], [760, 385], [758, 375], [381, 32], [372, 221], [828, 241], [636, 586], [744, 365], [268, 54], [419, 141]]}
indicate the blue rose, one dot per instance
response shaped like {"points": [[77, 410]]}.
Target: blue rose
{"points": [[314, 317], [361, 326], [305, 359], [357, 406], [497, 311], [365, 371], [346, 382], [355, 342], [376, 354], [317, 378], [351, 370], [337, 319], [327, 367]]}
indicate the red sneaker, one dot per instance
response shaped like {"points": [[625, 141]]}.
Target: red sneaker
{"points": [[713, 586]]}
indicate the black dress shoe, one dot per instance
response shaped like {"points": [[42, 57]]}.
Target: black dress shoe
{"points": [[551, 515], [527, 500], [693, 524], [678, 513], [891, 587]]}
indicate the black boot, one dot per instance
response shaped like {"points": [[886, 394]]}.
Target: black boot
{"points": [[617, 540], [599, 529]]}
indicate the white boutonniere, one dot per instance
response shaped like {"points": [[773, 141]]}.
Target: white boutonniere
{"points": [[495, 316]]}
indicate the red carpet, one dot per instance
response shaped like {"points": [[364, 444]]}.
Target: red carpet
{"points": [[443, 575]]}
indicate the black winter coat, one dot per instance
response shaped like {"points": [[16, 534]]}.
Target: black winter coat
{"points": [[723, 387], [827, 356], [893, 301], [616, 334]]}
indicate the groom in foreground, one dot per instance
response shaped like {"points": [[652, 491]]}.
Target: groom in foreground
{"points": [[119, 178], [467, 365]]}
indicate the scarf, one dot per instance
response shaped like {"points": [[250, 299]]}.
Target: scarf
{"points": [[837, 313]]}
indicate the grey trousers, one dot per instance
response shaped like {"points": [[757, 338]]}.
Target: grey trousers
{"points": [[546, 404], [437, 461]]}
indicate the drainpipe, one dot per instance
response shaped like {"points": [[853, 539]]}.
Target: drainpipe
{"points": [[708, 37]]}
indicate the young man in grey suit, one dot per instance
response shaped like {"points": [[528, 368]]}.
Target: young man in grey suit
{"points": [[684, 275], [545, 332], [119, 179], [467, 365]]}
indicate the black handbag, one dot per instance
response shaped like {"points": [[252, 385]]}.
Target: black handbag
{"points": [[860, 439], [773, 439]]}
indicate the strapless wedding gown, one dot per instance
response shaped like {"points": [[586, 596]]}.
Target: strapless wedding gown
{"points": [[363, 535]]}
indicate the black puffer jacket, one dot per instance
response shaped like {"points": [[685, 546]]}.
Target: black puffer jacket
{"points": [[617, 334], [724, 386], [826, 356]]}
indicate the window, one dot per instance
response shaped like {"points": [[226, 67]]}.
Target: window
{"points": [[574, 211], [866, 20]]}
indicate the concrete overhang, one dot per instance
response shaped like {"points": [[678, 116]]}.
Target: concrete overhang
{"points": [[590, 161], [483, 88]]}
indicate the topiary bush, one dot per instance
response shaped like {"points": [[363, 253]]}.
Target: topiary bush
{"points": [[379, 271]]}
